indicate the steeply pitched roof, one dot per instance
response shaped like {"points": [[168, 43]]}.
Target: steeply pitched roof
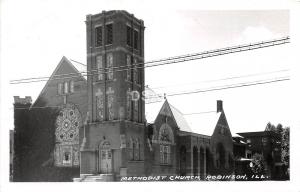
{"points": [[204, 123], [63, 61], [259, 134], [180, 121]]}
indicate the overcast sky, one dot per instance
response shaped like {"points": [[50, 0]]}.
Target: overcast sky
{"points": [[36, 41], [36, 34]]}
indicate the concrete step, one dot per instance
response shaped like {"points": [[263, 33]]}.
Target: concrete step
{"points": [[95, 178]]}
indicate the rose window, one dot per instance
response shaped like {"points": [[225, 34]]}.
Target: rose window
{"points": [[68, 123]]}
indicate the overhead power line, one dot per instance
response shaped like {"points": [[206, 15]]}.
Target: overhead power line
{"points": [[223, 79], [172, 60], [232, 86], [229, 87], [198, 113], [247, 84]]}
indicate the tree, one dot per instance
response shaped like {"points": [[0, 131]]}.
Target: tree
{"points": [[257, 164], [285, 146], [270, 127]]}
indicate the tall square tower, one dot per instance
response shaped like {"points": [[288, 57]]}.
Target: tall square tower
{"points": [[114, 134]]}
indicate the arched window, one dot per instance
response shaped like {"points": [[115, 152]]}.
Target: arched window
{"points": [[68, 123], [109, 65], [137, 150], [166, 139], [131, 149]]}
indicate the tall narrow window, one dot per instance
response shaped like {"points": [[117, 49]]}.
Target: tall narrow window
{"points": [[131, 149], [166, 138], [109, 60], [66, 88], [137, 150], [135, 71], [71, 86], [135, 39], [129, 36], [67, 158], [100, 104], [136, 110], [60, 88], [99, 62], [110, 101], [128, 62], [98, 32], [128, 104], [165, 153], [109, 34]]}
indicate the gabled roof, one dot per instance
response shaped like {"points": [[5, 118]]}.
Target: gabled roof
{"points": [[63, 61], [171, 111], [237, 135], [205, 123], [259, 134]]}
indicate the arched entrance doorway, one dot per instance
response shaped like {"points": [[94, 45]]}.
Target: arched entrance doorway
{"points": [[105, 157]]}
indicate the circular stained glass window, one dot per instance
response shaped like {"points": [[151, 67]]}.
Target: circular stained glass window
{"points": [[67, 124]]}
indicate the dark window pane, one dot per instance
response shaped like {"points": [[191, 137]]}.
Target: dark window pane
{"points": [[98, 36], [109, 34], [129, 36], [135, 39]]}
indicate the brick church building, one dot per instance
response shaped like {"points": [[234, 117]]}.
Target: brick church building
{"points": [[100, 130]]}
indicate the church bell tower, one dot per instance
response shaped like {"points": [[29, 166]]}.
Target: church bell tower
{"points": [[114, 132]]}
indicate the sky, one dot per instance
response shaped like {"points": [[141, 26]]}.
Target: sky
{"points": [[36, 34], [36, 45]]}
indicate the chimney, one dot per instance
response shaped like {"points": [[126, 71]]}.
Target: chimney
{"points": [[219, 106], [24, 101]]}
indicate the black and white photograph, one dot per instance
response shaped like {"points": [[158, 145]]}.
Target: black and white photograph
{"points": [[149, 93]]}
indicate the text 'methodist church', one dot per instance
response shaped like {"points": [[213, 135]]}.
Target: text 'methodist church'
{"points": [[101, 131]]}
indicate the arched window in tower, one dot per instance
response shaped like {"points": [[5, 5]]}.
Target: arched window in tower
{"points": [[135, 39], [130, 149], [166, 139], [133, 149], [110, 102], [109, 34], [100, 105], [99, 63], [136, 110], [128, 62], [137, 150], [98, 34], [67, 123], [135, 71], [128, 104], [109, 65]]}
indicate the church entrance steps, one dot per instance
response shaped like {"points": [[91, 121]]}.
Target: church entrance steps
{"points": [[94, 178]]}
